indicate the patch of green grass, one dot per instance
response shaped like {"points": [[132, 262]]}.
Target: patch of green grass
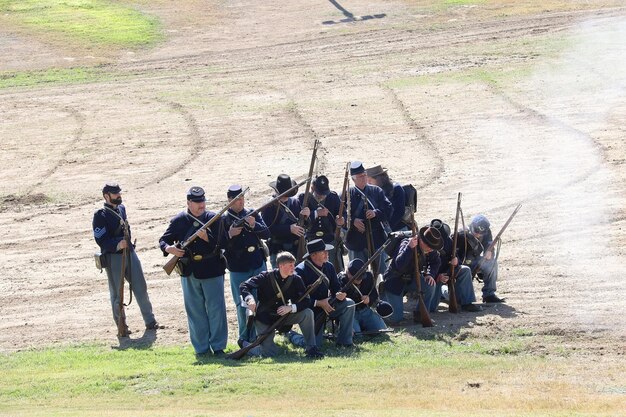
{"points": [[10, 79], [86, 22], [403, 375]]}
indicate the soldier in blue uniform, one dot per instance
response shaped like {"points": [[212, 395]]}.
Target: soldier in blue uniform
{"points": [[463, 275], [108, 230], [368, 202], [324, 207], [244, 250], [282, 219], [394, 192], [202, 274], [365, 296], [343, 307], [400, 276], [473, 244], [277, 294]]}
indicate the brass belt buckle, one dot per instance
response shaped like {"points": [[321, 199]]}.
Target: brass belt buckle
{"points": [[197, 258], [251, 249], [319, 233]]}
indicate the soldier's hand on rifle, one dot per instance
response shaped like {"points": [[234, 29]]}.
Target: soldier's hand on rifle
{"points": [[370, 214], [284, 310], [454, 261], [306, 212], [296, 230], [429, 280], [175, 251], [341, 296], [324, 305], [234, 231], [488, 255], [360, 226], [365, 299], [322, 212], [122, 244], [251, 221], [202, 235], [413, 242], [443, 278], [340, 221], [251, 304]]}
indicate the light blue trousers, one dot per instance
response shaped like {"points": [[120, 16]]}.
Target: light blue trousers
{"points": [[303, 318], [206, 312], [463, 287], [344, 312], [140, 289], [397, 301], [367, 320]]}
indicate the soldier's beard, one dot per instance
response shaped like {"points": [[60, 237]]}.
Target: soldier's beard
{"points": [[116, 201]]}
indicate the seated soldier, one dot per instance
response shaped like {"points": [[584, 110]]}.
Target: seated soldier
{"points": [[400, 276], [327, 300], [364, 294], [276, 292], [472, 246], [462, 274]]}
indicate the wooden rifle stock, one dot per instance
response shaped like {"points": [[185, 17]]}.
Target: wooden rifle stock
{"points": [[278, 323], [319, 322], [424, 316], [171, 263], [305, 201], [122, 328], [370, 243], [337, 243], [495, 240], [453, 305]]}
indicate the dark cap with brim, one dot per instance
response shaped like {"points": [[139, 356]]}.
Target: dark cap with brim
{"points": [[283, 183], [356, 167], [431, 237], [234, 190], [111, 188], [196, 194], [321, 185], [316, 245]]}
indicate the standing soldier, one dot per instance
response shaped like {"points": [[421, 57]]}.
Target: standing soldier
{"points": [[368, 206], [244, 251], [202, 273], [472, 246], [394, 192], [282, 219], [108, 230], [324, 208]]}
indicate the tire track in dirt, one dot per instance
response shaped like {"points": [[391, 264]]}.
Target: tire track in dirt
{"points": [[294, 111], [195, 136], [552, 121], [420, 137]]}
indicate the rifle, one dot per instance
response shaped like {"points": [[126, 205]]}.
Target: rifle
{"points": [[424, 316], [495, 241], [240, 222], [453, 306], [278, 323], [370, 242], [305, 201], [319, 322], [338, 242], [122, 328], [171, 264]]}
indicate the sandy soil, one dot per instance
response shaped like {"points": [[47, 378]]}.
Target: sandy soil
{"points": [[238, 92]]}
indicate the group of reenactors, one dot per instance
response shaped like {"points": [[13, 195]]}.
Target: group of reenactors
{"points": [[312, 288]]}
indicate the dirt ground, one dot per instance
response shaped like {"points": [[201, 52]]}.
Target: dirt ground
{"points": [[506, 108]]}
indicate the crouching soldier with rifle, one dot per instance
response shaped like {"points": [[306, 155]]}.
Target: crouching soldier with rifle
{"points": [[281, 298], [327, 300], [120, 259], [365, 296], [400, 277]]}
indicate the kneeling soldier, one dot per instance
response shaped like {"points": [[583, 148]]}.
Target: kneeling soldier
{"points": [[275, 291], [364, 294], [327, 300]]}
